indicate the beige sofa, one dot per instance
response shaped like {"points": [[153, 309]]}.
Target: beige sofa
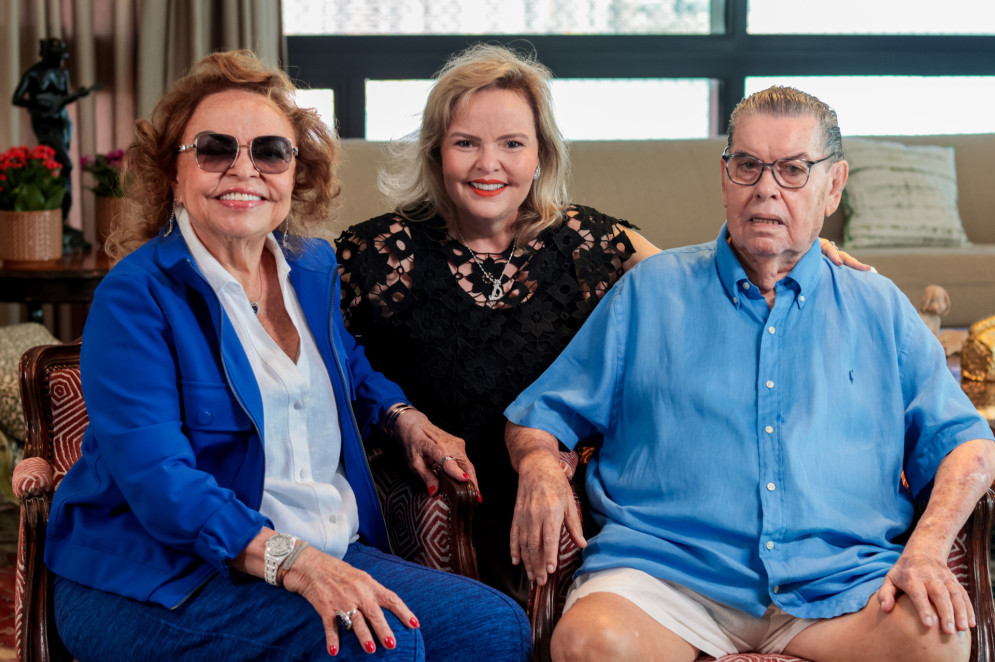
{"points": [[670, 189]]}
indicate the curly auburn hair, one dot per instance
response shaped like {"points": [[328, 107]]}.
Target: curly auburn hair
{"points": [[150, 161]]}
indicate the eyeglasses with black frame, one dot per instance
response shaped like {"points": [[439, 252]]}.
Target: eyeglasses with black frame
{"points": [[217, 152], [747, 170]]}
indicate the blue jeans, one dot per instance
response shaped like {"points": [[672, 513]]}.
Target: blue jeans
{"points": [[248, 619]]}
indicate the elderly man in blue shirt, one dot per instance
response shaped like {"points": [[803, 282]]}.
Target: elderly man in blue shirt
{"points": [[755, 409]]}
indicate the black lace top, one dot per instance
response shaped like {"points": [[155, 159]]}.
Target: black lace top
{"points": [[415, 297]]}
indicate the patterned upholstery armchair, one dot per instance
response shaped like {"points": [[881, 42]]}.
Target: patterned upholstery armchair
{"points": [[421, 527], [55, 418], [969, 560]]}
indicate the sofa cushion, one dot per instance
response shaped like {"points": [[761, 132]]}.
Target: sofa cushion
{"points": [[967, 273], [901, 195]]}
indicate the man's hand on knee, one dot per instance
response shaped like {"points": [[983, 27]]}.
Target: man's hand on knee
{"points": [[933, 589]]}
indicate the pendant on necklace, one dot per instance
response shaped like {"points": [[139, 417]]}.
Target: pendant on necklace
{"points": [[255, 307], [497, 292]]}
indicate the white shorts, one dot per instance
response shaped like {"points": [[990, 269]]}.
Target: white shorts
{"points": [[709, 626]]}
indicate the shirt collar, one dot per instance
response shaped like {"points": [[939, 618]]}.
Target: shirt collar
{"points": [[216, 275], [806, 274]]}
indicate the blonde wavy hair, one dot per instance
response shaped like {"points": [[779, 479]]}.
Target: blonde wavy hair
{"points": [[414, 183], [150, 160]]}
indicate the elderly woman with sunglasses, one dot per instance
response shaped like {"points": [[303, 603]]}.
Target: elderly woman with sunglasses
{"points": [[223, 507]]}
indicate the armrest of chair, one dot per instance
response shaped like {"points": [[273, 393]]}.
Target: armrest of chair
{"points": [[434, 531], [545, 603], [462, 499], [977, 535], [33, 483]]}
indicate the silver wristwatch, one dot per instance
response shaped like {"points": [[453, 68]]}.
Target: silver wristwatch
{"points": [[278, 548]]}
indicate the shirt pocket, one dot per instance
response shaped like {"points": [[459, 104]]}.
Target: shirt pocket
{"points": [[217, 426], [211, 407]]}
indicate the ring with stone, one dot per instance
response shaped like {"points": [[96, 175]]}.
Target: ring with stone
{"points": [[345, 617]]}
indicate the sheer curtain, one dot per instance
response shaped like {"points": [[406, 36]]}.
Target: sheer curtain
{"points": [[136, 48]]}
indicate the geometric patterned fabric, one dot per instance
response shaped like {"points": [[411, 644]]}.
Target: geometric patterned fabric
{"points": [[417, 524]]}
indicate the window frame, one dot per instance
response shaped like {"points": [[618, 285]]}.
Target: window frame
{"points": [[344, 63]]}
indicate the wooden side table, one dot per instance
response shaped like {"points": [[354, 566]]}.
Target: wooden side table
{"points": [[70, 279]]}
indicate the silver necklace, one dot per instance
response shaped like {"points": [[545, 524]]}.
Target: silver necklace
{"points": [[497, 284]]}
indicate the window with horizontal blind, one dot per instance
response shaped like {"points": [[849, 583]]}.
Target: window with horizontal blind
{"points": [[652, 70]]}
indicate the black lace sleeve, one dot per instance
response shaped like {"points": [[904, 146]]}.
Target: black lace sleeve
{"points": [[603, 247], [367, 265]]}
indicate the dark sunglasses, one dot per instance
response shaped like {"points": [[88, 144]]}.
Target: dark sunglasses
{"points": [[216, 152]]}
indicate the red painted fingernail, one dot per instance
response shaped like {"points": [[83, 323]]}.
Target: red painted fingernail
{"points": [[333, 650], [369, 646], [414, 622], [389, 642], [432, 489], [467, 476], [480, 497]]}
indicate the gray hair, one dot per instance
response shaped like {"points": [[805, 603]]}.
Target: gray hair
{"points": [[789, 102]]}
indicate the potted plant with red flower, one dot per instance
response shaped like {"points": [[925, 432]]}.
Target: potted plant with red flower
{"points": [[110, 200], [31, 193]]}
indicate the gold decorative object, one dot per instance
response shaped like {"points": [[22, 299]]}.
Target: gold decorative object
{"points": [[977, 357], [30, 236]]}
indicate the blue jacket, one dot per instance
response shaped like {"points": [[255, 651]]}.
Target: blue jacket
{"points": [[168, 488]]}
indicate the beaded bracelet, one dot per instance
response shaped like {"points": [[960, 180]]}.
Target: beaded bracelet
{"points": [[289, 561]]}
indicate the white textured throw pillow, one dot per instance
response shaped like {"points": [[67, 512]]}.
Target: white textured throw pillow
{"points": [[901, 195]]}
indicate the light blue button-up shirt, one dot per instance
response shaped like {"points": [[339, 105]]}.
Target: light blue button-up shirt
{"points": [[754, 455]]}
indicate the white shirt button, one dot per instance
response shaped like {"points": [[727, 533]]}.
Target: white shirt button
{"points": [[801, 298], [746, 285], [770, 487], [769, 384], [777, 589], [769, 429], [770, 330], [299, 405], [770, 544], [300, 474], [735, 300]]}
